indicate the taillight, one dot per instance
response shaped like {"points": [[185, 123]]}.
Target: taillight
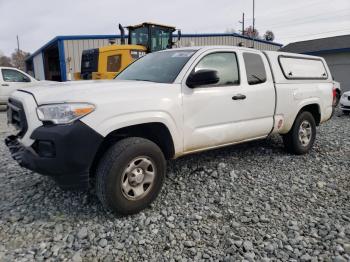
{"points": [[334, 96]]}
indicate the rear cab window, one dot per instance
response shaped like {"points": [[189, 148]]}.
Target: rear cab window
{"points": [[297, 68], [255, 68]]}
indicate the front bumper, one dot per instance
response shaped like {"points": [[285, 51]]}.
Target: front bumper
{"points": [[65, 152], [344, 107], [344, 103]]}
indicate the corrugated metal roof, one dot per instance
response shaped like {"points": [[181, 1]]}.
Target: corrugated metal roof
{"points": [[319, 45]]}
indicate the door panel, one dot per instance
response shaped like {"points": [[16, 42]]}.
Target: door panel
{"points": [[212, 117], [259, 88]]}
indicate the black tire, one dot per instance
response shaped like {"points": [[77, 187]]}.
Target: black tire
{"points": [[346, 112], [112, 169], [291, 140]]}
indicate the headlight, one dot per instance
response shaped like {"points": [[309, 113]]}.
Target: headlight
{"points": [[64, 113], [345, 95]]}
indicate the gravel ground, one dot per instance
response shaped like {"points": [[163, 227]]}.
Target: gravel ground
{"points": [[249, 202]]}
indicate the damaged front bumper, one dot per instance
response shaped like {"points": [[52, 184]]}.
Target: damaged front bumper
{"points": [[18, 152], [64, 152]]}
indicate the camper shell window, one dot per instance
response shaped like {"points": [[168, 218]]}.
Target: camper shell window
{"points": [[298, 68]]}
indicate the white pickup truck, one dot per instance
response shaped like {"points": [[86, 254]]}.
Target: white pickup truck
{"points": [[12, 79], [165, 105]]}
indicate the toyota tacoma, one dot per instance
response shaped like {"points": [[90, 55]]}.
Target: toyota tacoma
{"points": [[119, 133]]}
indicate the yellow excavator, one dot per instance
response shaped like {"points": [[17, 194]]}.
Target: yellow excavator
{"points": [[106, 62]]}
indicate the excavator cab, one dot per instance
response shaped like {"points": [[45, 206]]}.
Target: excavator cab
{"points": [[108, 61], [154, 37]]}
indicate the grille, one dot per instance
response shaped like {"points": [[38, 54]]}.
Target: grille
{"points": [[17, 117]]}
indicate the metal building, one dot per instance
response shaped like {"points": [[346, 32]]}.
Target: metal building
{"points": [[60, 58]]}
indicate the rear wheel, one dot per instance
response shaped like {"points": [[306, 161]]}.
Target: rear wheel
{"points": [[300, 139], [130, 175]]}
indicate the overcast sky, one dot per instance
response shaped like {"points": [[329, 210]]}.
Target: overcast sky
{"points": [[38, 21]]}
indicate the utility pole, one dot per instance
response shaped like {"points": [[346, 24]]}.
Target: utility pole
{"points": [[253, 23], [17, 44], [242, 22]]}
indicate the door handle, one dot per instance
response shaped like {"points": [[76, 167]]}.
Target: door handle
{"points": [[239, 97], [5, 85]]}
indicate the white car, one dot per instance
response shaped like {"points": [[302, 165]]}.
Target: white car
{"points": [[345, 102], [12, 79], [165, 105]]}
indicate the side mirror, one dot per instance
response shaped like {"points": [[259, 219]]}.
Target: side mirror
{"points": [[171, 43], [202, 78]]}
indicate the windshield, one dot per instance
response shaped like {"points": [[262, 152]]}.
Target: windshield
{"points": [[160, 67], [139, 36]]}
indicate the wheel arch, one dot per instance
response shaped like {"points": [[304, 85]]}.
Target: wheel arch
{"points": [[314, 109], [156, 132]]}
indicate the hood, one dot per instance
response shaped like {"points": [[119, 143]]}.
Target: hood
{"points": [[90, 91]]}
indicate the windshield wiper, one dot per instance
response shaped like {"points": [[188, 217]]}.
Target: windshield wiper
{"points": [[145, 80]]}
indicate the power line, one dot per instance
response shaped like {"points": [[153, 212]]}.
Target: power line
{"points": [[319, 17], [308, 20], [280, 13], [326, 32], [302, 23]]}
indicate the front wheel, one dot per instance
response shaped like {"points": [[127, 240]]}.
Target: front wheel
{"points": [[130, 175], [300, 139], [345, 112]]}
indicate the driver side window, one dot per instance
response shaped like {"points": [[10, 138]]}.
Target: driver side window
{"points": [[10, 75], [225, 63]]}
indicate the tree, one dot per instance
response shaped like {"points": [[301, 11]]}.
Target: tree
{"points": [[19, 58], [250, 33], [269, 36], [5, 61]]}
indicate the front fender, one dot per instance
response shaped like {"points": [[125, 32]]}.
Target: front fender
{"points": [[107, 125]]}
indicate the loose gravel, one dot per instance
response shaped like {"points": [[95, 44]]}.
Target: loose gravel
{"points": [[251, 202]]}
